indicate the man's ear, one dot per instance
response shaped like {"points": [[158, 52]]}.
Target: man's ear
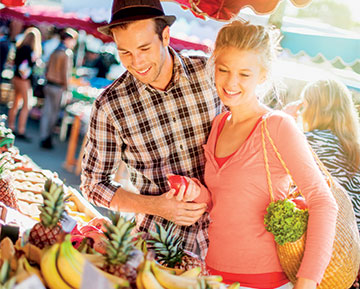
{"points": [[166, 36]]}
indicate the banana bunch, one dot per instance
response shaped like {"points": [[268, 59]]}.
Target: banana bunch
{"points": [[24, 270], [62, 267], [153, 276]]}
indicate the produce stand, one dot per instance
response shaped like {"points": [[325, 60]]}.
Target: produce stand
{"points": [[51, 237]]}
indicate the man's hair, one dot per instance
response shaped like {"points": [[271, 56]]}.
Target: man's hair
{"points": [[68, 33], [159, 25]]}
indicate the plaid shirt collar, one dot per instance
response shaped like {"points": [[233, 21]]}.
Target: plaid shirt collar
{"points": [[179, 74]]}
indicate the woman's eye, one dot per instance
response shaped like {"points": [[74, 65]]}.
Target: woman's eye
{"points": [[222, 70], [244, 75], [145, 49]]}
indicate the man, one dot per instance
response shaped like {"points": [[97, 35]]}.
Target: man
{"points": [[58, 72], [155, 118]]}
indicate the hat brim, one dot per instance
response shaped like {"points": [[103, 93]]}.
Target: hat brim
{"points": [[106, 29]]}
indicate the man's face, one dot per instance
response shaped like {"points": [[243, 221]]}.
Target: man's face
{"points": [[70, 43], [141, 51]]}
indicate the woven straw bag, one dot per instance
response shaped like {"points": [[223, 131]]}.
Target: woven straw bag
{"points": [[345, 260]]}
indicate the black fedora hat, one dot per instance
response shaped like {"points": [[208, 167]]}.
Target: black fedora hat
{"points": [[124, 11]]}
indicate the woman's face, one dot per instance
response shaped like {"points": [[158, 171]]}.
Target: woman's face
{"points": [[237, 73]]}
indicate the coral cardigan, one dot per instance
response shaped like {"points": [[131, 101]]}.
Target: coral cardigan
{"points": [[238, 194]]}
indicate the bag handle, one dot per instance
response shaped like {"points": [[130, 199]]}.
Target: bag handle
{"points": [[265, 131]]}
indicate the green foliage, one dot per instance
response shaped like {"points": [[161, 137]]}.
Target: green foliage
{"points": [[286, 222], [328, 11]]}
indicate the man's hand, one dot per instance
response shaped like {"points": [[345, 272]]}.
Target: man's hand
{"points": [[179, 212]]}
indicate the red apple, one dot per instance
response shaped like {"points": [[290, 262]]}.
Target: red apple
{"points": [[176, 182]]}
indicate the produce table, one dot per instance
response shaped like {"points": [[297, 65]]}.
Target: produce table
{"points": [[51, 237]]}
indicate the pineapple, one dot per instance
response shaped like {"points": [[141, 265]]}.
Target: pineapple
{"points": [[122, 257], [169, 250], [7, 193], [46, 231]]}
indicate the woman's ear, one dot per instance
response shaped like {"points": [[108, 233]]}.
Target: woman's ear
{"points": [[263, 76], [166, 36]]}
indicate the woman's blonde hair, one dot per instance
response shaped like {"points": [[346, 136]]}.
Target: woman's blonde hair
{"points": [[245, 36], [329, 105], [240, 34], [31, 37]]}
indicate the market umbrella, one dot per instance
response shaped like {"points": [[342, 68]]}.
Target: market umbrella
{"points": [[54, 15], [226, 9]]}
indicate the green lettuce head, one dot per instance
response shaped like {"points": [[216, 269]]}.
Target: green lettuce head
{"points": [[286, 222]]}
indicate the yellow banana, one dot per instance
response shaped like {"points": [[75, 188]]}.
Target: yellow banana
{"points": [[95, 259], [175, 271], [139, 282], [70, 264], [73, 263], [148, 279], [172, 281], [115, 280], [235, 285], [49, 270], [192, 273], [215, 278], [31, 269]]}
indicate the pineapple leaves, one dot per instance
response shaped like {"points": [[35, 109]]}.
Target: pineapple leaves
{"points": [[167, 245], [53, 206], [119, 242]]}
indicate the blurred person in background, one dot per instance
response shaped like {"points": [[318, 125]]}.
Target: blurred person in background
{"points": [[28, 50], [331, 125], [58, 73], [95, 60], [4, 47]]}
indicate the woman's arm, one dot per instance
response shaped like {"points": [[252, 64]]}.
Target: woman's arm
{"points": [[296, 153]]}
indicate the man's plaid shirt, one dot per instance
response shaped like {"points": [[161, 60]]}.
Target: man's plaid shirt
{"points": [[155, 133]]}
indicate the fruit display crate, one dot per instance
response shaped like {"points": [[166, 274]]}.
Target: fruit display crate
{"points": [[27, 181]]}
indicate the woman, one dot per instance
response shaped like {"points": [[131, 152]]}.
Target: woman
{"points": [[331, 125], [237, 194], [28, 49]]}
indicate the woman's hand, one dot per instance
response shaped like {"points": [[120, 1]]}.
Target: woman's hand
{"points": [[293, 108], [188, 190], [303, 283]]}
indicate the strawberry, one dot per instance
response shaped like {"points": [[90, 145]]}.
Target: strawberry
{"points": [[176, 182]]}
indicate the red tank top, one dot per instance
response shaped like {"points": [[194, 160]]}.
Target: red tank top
{"points": [[222, 160]]}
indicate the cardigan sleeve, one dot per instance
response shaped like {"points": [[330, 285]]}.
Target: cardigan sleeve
{"points": [[296, 153]]}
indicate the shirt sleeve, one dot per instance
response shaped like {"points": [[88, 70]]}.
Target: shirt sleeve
{"points": [[296, 153], [102, 157]]}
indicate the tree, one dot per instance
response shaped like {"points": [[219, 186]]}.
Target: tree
{"points": [[328, 11]]}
